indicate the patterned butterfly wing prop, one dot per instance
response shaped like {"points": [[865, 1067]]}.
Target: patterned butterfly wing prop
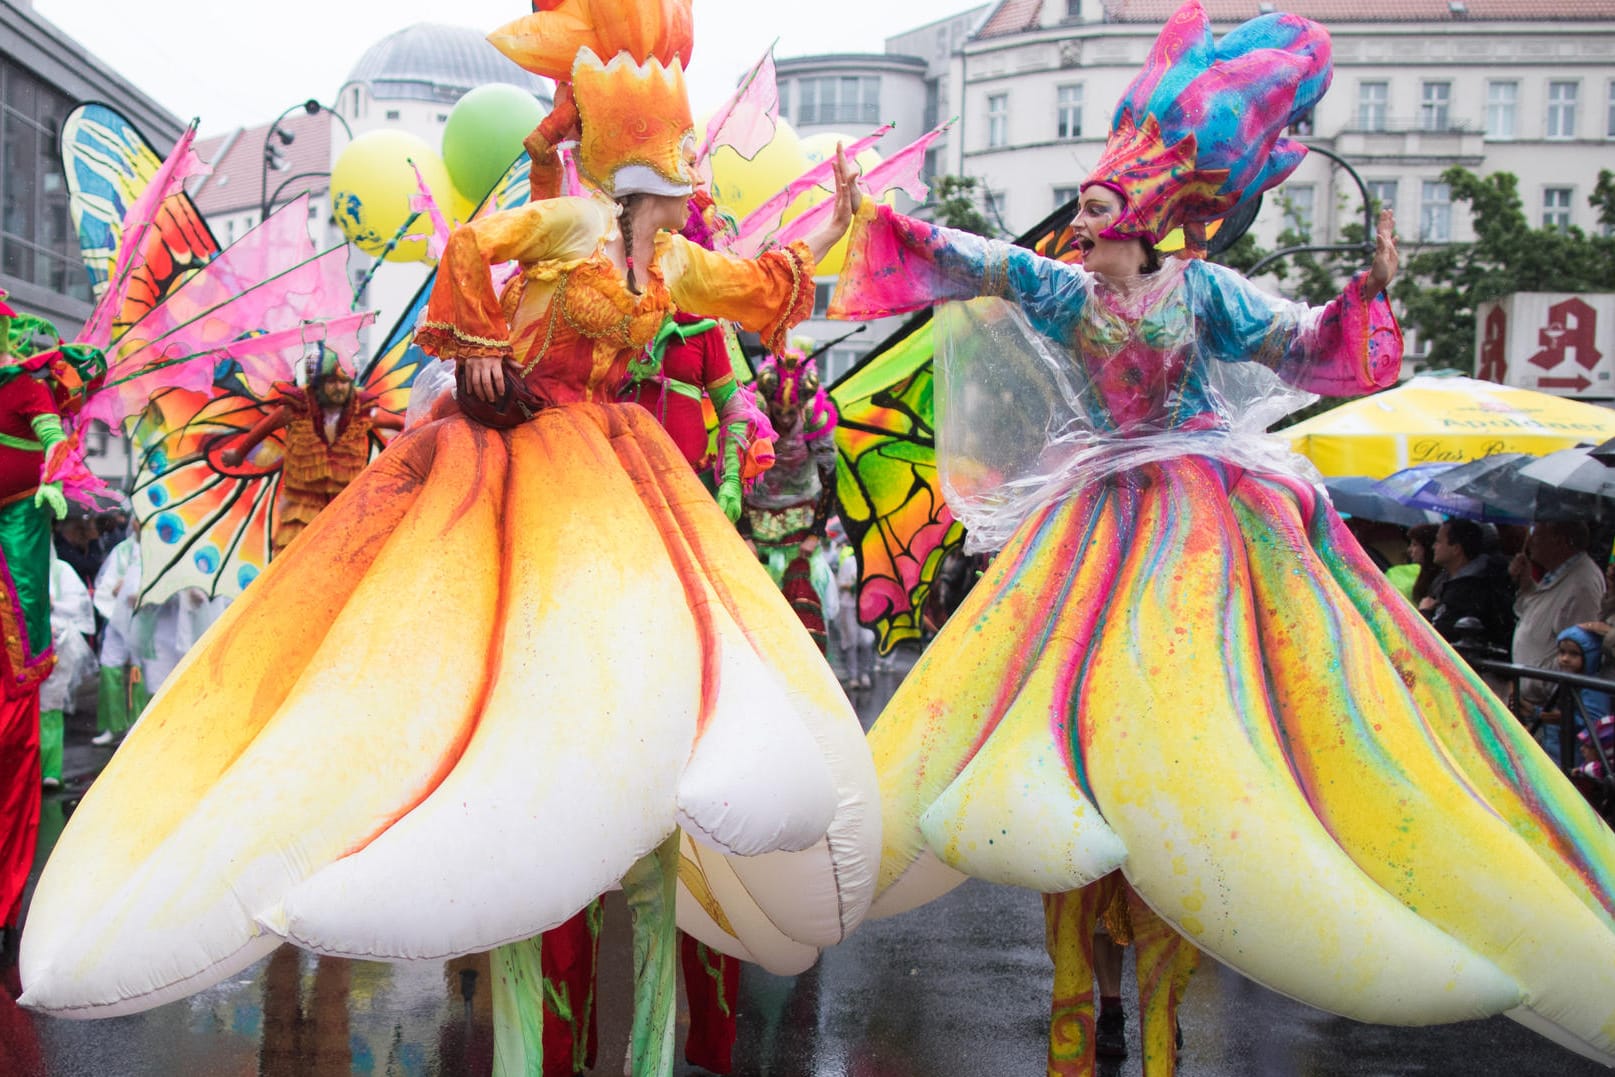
{"points": [[108, 164], [205, 524], [209, 524], [194, 337], [887, 483]]}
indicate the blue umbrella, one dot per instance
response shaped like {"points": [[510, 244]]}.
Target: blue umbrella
{"points": [[1354, 495]]}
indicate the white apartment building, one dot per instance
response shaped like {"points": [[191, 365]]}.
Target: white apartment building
{"points": [[853, 93], [1522, 86]]}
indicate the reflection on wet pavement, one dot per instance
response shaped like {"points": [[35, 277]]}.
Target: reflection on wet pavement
{"points": [[959, 988]]}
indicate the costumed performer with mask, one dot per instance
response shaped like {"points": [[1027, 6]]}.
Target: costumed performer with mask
{"points": [[1180, 664], [789, 507], [529, 619], [327, 426]]}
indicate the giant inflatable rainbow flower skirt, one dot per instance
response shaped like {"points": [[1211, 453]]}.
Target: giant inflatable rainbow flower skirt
{"points": [[1191, 672]]}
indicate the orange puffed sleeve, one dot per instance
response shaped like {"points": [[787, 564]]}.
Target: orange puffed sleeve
{"points": [[464, 318], [769, 294]]}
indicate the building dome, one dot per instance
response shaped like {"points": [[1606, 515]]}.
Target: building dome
{"points": [[432, 62]]}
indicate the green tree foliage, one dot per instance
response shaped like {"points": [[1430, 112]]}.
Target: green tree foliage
{"points": [[956, 203], [1441, 287]]}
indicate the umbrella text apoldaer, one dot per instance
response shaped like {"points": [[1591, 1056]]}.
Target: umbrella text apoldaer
{"points": [[1433, 419]]}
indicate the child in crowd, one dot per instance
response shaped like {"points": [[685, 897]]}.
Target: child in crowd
{"points": [[1591, 765], [1580, 651]]}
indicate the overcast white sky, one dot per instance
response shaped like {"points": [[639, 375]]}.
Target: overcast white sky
{"points": [[239, 64]]}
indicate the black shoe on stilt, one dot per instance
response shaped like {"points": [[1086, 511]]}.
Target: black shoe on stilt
{"points": [[1110, 1034]]}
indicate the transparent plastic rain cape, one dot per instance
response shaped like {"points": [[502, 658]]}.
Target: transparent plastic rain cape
{"points": [[1021, 420]]}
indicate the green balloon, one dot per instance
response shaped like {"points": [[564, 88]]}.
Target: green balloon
{"points": [[484, 134]]}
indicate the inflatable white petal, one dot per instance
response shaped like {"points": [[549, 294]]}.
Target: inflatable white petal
{"points": [[571, 773], [756, 781], [186, 914]]}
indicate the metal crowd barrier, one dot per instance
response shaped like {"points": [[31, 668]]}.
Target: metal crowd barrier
{"points": [[1568, 699]]}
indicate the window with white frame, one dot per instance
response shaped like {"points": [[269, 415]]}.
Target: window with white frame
{"points": [[1434, 105], [839, 361], [822, 292], [1556, 207], [1383, 192], [1299, 203], [1073, 9], [1562, 109], [997, 120], [1609, 113], [1064, 196], [838, 99], [783, 87], [1502, 103], [1435, 212], [1373, 98], [1068, 111]]}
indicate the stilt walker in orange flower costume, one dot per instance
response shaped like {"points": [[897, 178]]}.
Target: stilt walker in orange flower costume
{"points": [[624, 699], [327, 426]]}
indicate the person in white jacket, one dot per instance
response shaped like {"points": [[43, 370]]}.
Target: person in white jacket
{"points": [[117, 592]]}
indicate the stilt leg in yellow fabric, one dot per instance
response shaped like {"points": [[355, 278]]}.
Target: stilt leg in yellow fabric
{"points": [[1164, 961], [1069, 920]]}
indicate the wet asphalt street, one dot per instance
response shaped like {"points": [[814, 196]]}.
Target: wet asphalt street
{"points": [[959, 988]]}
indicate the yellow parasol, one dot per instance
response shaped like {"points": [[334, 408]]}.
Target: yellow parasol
{"points": [[1435, 419]]}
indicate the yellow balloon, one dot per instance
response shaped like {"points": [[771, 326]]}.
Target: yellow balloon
{"points": [[818, 149], [371, 187], [740, 186]]}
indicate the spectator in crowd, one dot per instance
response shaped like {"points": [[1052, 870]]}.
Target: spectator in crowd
{"points": [[1474, 585], [75, 543], [1558, 585], [1591, 766], [1580, 651], [1414, 578]]}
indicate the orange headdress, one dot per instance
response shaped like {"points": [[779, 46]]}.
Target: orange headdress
{"points": [[620, 64]]}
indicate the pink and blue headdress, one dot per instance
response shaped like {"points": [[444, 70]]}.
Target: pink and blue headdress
{"points": [[1200, 129]]}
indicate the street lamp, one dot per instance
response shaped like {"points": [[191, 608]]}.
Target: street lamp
{"points": [[273, 161], [1367, 244]]}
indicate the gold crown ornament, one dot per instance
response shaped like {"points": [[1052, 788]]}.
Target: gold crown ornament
{"points": [[634, 128]]}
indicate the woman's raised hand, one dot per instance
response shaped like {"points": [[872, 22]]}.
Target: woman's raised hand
{"points": [[1386, 259], [849, 196]]}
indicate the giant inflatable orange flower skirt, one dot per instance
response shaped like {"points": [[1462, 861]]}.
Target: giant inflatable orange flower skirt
{"points": [[499, 669]]}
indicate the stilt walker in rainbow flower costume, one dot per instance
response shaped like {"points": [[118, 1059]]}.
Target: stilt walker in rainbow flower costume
{"points": [[1180, 665], [624, 698]]}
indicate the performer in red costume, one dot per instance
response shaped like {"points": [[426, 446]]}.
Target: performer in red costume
{"points": [[34, 391]]}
